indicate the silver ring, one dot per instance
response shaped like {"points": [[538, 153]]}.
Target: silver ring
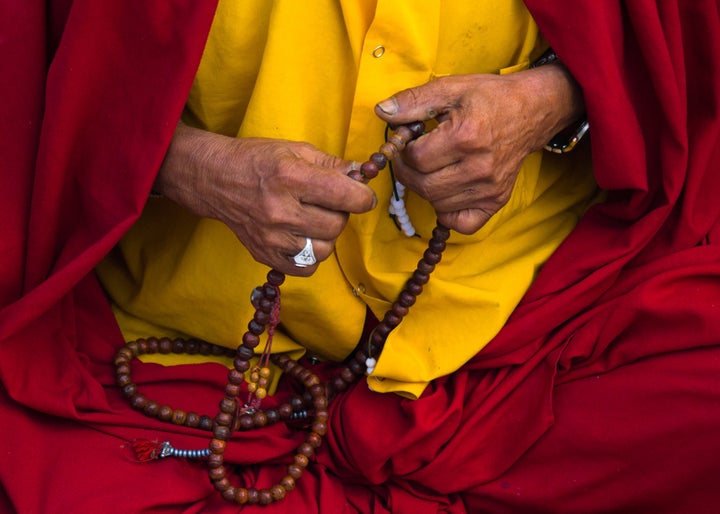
{"points": [[306, 257]]}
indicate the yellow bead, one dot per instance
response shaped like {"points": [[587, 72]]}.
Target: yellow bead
{"points": [[263, 382], [254, 376], [261, 392], [252, 387], [265, 372]]}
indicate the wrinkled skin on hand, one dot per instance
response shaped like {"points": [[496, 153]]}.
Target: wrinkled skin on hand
{"points": [[271, 193], [487, 124]]}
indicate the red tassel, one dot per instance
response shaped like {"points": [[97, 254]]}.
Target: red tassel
{"points": [[146, 450]]}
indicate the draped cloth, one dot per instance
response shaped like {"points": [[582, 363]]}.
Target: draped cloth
{"points": [[600, 394]]}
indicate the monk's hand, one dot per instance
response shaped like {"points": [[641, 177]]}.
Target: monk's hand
{"points": [[273, 194], [466, 167]]}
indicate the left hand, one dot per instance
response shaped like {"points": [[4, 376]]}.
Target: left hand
{"points": [[487, 124]]}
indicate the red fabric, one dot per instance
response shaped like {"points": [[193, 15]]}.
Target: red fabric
{"points": [[599, 395]]}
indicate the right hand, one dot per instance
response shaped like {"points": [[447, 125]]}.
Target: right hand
{"points": [[271, 193]]}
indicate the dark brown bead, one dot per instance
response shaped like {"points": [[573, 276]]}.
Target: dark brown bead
{"points": [[232, 390], [206, 423], [356, 367], [314, 439], [379, 159], [278, 492], [193, 420], [215, 460], [288, 483], [255, 327], [241, 366], [192, 347], [121, 359], [425, 267], [321, 402], [222, 432], [360, 356], [436, 246], [204, 348], [265, 497], [217, 472], [236, 377], [223, 484], [414, 288], [347, 375], [252, 496], [245, 422], [122, 369], [133, 347], [266, 305], [431, 257], [129, 390], [406, 299], [125, 354], [228, 405], [123, 380], [290, 365], [241, 497], [152, 343], [338, 384], [404, 133], [420, 278], [301, 460], [275, 278], [269, 292], [151, 408], [164, 345], [295, 471], [441, 233], [217, 446], [250, 340], [142, 346], [383, 330], [391, 319], [260, 419], [165, 413], [306, 449], [244, 354], [285, 411], [262, 318], [369, 169], [225, 419], [319, 428], [138, 401], [218, 350], [178, 417], [281, 359], [399, 310], [230, 493], [417, 128], [178, 346], [317, 390]]}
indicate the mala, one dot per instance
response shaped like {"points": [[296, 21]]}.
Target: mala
{"points": [[236, 415]]}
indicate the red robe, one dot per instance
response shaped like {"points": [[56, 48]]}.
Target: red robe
{"points": [[599, 395]]}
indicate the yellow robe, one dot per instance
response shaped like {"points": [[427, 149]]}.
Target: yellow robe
{"points": [[313, 72]]}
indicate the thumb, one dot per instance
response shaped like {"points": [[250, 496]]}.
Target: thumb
{"points": [[420, 103]]}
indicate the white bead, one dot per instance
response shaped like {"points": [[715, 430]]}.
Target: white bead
{"points": [[370, 364]]}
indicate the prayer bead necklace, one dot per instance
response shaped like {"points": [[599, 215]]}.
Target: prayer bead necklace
{"points": [[313, 403]]}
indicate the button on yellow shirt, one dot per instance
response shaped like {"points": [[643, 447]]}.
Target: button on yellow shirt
{"points": [[313, 72]]}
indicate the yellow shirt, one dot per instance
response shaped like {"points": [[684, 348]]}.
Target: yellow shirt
{"points": [[313, 72]]}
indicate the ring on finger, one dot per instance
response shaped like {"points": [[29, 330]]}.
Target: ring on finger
{"points": [[306, 256]]}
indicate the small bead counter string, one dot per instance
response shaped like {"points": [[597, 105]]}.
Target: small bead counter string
{"points": [[313, 403]]}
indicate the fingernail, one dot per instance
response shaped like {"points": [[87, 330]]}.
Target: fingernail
{"points": [[374, 202], [389, 106]]}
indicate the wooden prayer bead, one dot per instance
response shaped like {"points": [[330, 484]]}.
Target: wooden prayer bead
{"points": [[178, 417], [165, 413]]}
